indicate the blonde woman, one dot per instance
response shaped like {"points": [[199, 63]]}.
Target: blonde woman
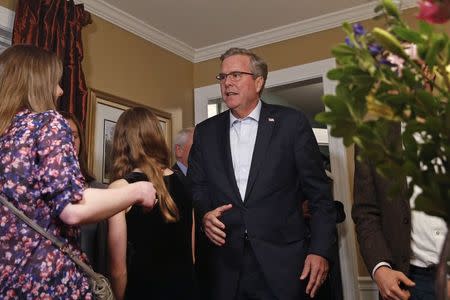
{"points": [[40, 175], [150, 250]]}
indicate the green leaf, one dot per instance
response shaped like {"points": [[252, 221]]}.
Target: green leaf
{"points": [[434, 207], [437, 44], [427, 100], [336, 105], [367, 62], [408, 34], [409, 143], [366, 132], [425, 28], [410, 169], [389, 42], [447, 118], [336, 74], [343, 128], [391, 8], [347, 28], [326, 117], [397, 100], [428, 152], [342, 50]]}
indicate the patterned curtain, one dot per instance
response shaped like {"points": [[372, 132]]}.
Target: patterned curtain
{"points": [[55, 25]]}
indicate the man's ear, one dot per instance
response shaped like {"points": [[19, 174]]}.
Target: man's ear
{"points": [[259, 82], [178, 150]]}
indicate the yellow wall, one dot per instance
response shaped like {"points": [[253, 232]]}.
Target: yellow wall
{"points": [[122, 64], [11, 4]]}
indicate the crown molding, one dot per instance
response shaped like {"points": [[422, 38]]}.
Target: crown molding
{"points": [[126, 21], [323, 22], [153, 35]]}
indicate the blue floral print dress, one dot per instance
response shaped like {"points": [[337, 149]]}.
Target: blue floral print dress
{"points": [[40, 175]]}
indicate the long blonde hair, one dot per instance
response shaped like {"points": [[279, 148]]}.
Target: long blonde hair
{"points": [[28, 79], [139, 143]]}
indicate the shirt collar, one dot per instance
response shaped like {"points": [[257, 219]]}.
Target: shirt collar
{"points": [[182, 167], [253, 115]]}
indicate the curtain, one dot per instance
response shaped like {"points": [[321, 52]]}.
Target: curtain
{"points": [[55, 25]]}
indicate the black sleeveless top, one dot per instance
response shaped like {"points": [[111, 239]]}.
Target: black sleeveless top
{"points": [[159, 254]]}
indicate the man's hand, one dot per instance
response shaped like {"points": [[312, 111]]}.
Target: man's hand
{"points": [[388, 282], [214, 229], [317, 268], [448, 288]]}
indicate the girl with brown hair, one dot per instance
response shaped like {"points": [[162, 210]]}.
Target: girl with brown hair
{"points": [[150, 250]]}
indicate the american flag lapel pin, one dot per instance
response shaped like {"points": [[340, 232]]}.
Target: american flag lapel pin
{"points": [[271, 119]]}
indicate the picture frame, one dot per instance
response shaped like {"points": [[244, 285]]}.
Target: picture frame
{"points": [[103, 112]]}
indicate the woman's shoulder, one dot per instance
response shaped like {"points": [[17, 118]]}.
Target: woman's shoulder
{"points": [[49, 119]]}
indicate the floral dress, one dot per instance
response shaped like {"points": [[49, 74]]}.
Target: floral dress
{"points": [[40, 175]]}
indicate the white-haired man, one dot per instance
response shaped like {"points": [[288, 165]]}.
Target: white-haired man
{"points": [[181, 148]]}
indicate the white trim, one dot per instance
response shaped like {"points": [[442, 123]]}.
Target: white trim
{"points": [[6, 27], [367, 284], [367, 288], [340, 160], [332, 20], [321, 135], [128, 22], [312, 25], [6, 19], [201, 97]]}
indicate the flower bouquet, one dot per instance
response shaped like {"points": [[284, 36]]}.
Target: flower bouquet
{"points": [[397, 76]]}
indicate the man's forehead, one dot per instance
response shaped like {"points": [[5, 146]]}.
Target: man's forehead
{"points": [[237, 59]]}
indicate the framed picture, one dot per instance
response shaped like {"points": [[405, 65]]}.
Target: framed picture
{"points": [[103, 112]]}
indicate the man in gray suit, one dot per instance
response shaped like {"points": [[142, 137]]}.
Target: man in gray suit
{"points": [[181, 148]]}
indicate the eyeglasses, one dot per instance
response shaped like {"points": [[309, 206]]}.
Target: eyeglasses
{"points": [[234, 76]]}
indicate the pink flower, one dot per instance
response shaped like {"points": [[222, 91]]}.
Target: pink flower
{"points": [[411, 51], [397, 63], [434, 11]]}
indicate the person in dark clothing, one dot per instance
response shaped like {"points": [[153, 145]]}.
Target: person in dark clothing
{"points": [[92, 236], [150, 250]]}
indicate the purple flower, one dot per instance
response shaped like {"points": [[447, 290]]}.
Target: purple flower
{"points": [[358, 29], [374, 49], [348, 42], [386, 62]]}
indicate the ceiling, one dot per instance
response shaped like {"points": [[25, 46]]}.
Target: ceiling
{"points": [[202, 29], [201, 23]]}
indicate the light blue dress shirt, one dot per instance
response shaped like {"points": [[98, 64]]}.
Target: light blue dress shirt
{"points": [[182, 167], [242, 143]]}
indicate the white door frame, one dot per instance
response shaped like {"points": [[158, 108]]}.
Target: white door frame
{"points": [[340, 159]]}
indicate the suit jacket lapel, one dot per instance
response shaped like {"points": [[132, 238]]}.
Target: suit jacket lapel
{"points": [[265, 127], [225, 155]]}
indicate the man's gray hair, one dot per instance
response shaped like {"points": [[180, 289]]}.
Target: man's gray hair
{"points": [[257, 65], [182, 136]]}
